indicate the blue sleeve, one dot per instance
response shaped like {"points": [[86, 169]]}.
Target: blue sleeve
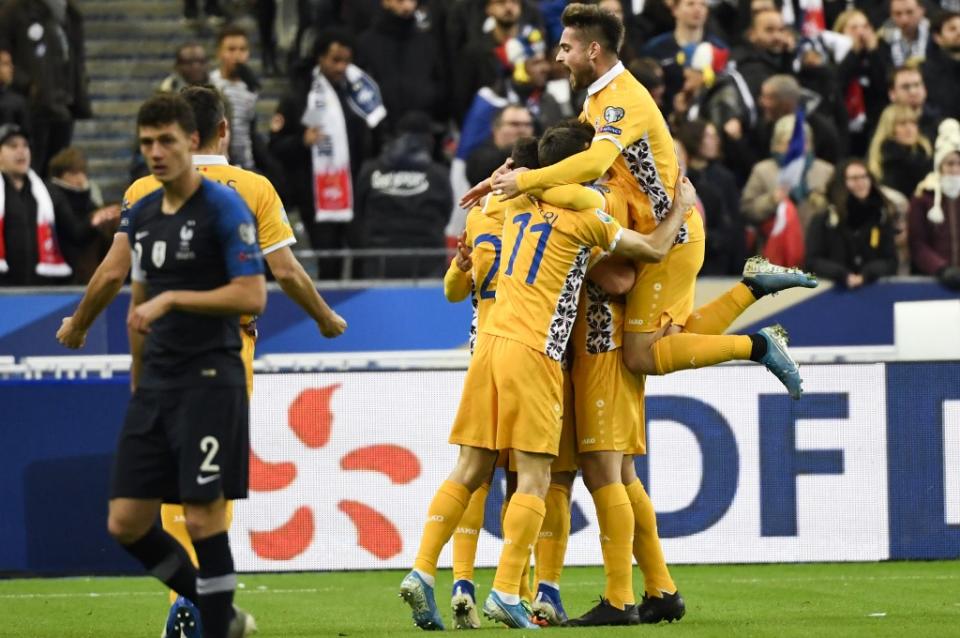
{"points": [[237, 231], [126, 220]]}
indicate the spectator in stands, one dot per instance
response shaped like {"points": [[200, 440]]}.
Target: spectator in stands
{"points": [[943, 62], [717, 188], [862, 77], [781, 95], [627, 53], [906, 87], [266, 16], [68, 175], [320, 134], [510, 123], [852, 242], [189, 69], [241, 88], [33, 218], [907, 32], [484, 59], [191, 12], [763, 192], [45, 39], [405, 61], [404, 201], [13, 106], [674, 49], [899, 153], [935, 212], [769, 50]]}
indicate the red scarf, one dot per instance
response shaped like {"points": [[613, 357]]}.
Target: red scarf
{"points": [[50, 261]]}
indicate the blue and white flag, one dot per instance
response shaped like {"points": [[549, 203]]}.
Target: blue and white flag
{"points": [[794, 160]]}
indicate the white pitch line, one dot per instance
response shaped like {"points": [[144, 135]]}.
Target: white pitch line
{"points": [[124, 594]]}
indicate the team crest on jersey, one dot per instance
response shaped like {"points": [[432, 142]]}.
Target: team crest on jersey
{"points": [[186, 233], [606, 219], [613, 114], [248, 233], [159, 253]]}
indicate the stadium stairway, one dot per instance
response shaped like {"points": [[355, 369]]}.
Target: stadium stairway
{"points": [[130, 48]]}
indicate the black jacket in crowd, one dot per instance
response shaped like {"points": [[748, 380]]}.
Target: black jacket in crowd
{"points": [[403, 200], [51, 76], [859, 242], [903, 166], [406, 64], [941, 74], [717, 188], [14, 108]]}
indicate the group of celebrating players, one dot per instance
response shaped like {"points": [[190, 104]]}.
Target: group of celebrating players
{"points": [[578, 292]]}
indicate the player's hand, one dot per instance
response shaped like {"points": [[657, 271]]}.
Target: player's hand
{"points": [[686, 197], [143, 315], [506, 184], [332, 326], [473, 196], [70, 336], [463, 258]]}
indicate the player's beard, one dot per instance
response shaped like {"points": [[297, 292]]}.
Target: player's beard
{"points": [[580, 80]]}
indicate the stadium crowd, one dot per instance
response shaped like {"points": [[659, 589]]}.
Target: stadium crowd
{"points": [[394, 107]]}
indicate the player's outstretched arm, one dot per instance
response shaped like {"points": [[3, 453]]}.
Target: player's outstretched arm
{"points": [[571, 196], [585, 166], [244, 295], [655, 246], [103, 287], [615, 275], [297, 285]]}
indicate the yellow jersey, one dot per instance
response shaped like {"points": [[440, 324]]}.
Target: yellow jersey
{"points": [[545, 251], [599, 325], [622, 111], [273, 227]]}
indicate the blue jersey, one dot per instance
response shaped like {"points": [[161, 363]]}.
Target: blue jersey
{"points": [[209, 241]]}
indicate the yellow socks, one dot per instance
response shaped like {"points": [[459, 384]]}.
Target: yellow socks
{"points": [[525, 592], [715, 317], [520, 528], [467, 533], [445, 511], [552, 542], [685, 351], [615, 516], [646, 544]]}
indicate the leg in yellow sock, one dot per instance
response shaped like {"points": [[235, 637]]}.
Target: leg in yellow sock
{"points": [[684, 351], [552, 541], [467, 533], [521, 525], [446, 509], [646, 544], [615, 517], [715, 317]]}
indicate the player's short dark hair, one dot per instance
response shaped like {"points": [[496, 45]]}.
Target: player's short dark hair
{"points": [[209, 109], [328, 37], [597, 25], [69, 160], [938, 21], [564, 139], [167, 108], [525, 153], [231, 31]]}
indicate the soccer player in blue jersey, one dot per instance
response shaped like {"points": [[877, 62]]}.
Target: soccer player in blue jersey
{"points": [[196, 268]]}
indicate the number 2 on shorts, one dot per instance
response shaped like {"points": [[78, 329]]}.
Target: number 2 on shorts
{"points": [[209, 446]]}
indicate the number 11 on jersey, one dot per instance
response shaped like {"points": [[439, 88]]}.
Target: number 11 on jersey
{"points": [[523, 220]]}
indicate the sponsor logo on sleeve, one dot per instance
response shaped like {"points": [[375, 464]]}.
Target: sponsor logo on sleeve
{"points": [[613, 130]]}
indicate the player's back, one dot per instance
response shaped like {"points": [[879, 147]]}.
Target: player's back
{"points": [[484, 229], [544, 256]]}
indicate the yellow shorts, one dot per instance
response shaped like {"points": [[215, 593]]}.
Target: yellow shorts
{"points": [[607, 402], [566, 460], [246, 353], [512, 399], [639, 445], [663, 293]]}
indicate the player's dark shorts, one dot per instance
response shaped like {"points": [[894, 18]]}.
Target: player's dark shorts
{"points": [[189, 445]]}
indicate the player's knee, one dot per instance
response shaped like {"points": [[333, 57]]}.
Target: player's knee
{"points": [[599, 470], [204, 521], [124, 529]]}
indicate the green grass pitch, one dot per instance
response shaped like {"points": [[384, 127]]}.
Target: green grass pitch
{"points": [[903, 599]]}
